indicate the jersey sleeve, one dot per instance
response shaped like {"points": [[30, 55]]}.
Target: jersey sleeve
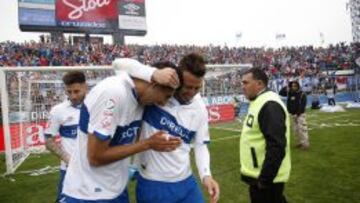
{"points": [[202, 134], [53, 124], [103, 115], [133, 68]]}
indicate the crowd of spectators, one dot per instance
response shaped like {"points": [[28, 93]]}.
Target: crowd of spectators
{"points": [[282, 65], [286, 60]]}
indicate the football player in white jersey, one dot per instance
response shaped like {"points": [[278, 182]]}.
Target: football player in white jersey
{"points": [[109, 121], [166, 177], [63, 121]]}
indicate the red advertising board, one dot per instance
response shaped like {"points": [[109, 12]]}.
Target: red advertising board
{"points": [[221, 113], [86, 10], [2, 144], [33, 131]]}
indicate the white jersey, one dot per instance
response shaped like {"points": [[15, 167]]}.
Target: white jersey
{"points": [[189, 122], [110, 112], [63, 120]]}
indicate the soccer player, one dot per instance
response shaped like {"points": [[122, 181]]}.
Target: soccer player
{"points": [[109, 121], [166, 177], [64, 119]]}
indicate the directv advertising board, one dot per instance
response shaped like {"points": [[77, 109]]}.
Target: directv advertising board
{"points": [[83, 16]]}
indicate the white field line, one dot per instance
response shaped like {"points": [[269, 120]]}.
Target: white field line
{"points": [[225, 138], [329, 118], [227, 129]]}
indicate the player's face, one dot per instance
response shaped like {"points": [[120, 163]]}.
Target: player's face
{"points": [[157, 94], [250, 86], [76, 93], [190, 87]]}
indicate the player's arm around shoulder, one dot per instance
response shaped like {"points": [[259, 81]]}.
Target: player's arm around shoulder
{"points": [[166, 76]]}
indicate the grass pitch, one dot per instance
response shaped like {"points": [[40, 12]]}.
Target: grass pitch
{"points": [[327, 172]]}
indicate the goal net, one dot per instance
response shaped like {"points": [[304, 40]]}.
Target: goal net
{"points": [[28, 93]]}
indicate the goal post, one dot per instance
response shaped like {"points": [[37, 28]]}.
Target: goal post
{"points": [[27, 94]]}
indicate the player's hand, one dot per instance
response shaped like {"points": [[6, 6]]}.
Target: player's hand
{"points": [[161, 141], [212, 187], [166, 76], [66, 159]]}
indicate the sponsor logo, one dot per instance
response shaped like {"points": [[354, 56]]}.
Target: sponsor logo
{"points": [[34, 135], [175, 128], [43, 115], [213, 113], [85, 6], [131, 9], [125, 134], [129, 133]]}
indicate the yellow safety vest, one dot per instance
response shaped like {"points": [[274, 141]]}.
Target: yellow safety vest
{"points": [[252, 141]]}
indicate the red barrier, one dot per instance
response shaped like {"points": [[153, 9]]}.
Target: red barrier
{"points": [[2, 140], [33, 130]]}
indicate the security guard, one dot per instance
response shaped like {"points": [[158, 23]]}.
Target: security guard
{"points": [[265, 139]]}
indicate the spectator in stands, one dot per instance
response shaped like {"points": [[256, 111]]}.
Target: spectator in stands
{"points": [[315, 103], [330, 91], [282, 64]]}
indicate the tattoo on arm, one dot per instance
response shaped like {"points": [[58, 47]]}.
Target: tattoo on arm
{"points": [[57, 149]]}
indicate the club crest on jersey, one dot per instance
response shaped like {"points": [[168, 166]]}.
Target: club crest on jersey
{"points": [[110, 104]]}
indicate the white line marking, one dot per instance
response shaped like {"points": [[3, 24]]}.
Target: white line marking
{"points": [[228, 129], [225, 138]]}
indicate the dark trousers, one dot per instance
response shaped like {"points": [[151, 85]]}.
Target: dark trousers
{"points": [[331, 102], [270, 194]]}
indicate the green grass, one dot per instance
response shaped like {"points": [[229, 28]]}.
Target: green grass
{"points": [[327, 172]]}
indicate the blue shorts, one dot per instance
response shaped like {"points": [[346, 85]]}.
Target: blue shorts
{"points": [[123, 198], [185, 191], [60, 185]]}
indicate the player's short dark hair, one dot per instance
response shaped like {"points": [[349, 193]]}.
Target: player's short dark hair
{"points": [[73, 77], [258, 74], [193, 63], [164, 64]]}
